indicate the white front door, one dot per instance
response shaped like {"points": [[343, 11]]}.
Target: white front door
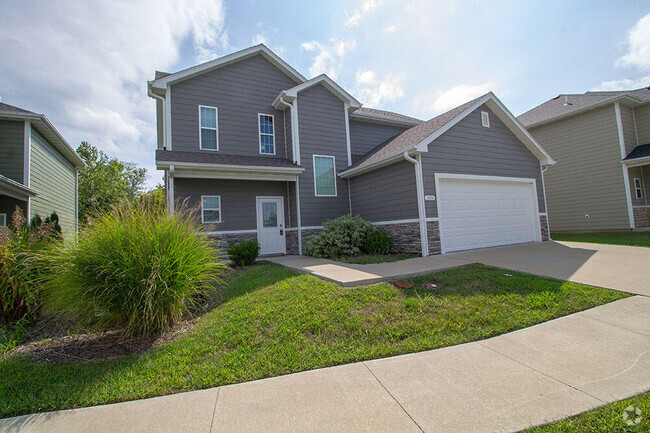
{"points": [[270, 225]]}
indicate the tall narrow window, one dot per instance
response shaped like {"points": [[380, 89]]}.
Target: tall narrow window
{"points": [[638, 190], [267, 134], [210, 209], [324, 176], [208, 137], [485, 119], [3, 220]]}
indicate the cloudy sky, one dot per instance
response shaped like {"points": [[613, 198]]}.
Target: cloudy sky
{"points": [[85, 64]]}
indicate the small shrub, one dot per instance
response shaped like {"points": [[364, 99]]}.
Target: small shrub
{"points": [[378, 242], [340, 237], [245, 253], [136, 267]]}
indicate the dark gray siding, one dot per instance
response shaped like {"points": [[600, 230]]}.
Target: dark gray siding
{"points": [[365, 136], [240, 91], [469, 148], [238, 210], [8, 206], [287, 133], [12, 149], [321, 121], [386, 194]]}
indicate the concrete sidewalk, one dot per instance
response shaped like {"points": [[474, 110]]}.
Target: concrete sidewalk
{"points": [[507, 383], [610, 266]]}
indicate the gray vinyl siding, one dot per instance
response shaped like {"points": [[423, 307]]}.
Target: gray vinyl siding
{"points": [[642, 117], [12, 149], [643, 174], [292, 215], [588, 178], [287, 133], [321, 121], [386, 194], [239, 91], [469, 148], [159, 123], [55, 181], [629, 130], [238, 204], [365, 136]]}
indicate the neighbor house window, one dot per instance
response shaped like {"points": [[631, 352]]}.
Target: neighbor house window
{"points": [[210, 209], [485, 119], [324, 176], [267, 134], [3, 220], [208, 137], [637, 188]]}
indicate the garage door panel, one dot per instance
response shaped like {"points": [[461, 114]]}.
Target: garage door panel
{"points": [[482, 213]]}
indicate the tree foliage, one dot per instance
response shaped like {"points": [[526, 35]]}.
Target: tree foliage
{"points": [[106, 181]]}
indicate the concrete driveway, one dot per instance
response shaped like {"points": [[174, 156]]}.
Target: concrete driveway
{"points": [[610, 266]]}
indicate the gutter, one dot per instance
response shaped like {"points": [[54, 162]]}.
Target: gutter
{"points": [[424, 239]]}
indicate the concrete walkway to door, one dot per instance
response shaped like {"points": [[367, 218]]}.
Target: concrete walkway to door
{"points": [[506, 383], [610, 266]]}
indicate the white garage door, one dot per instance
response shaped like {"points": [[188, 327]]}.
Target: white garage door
{"points": [[479, 213]]}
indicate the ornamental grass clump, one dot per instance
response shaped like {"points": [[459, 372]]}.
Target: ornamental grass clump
{"points": [[135, 267]]}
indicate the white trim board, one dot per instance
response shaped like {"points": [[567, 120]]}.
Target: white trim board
{"points": [[229, 232], [626, 177]]}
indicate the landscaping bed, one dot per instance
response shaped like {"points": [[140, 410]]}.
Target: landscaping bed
{"points": [[633, 239], [273, 321]]}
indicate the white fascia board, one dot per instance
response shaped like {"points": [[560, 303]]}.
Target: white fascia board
{"points": [[162, 83], [636, 162], [329, 84], [161, 165], [15, 189], [387, 160]]}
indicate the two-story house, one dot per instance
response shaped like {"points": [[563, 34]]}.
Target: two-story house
{"points": [[601, 141], [38, 169], [269, 154]]}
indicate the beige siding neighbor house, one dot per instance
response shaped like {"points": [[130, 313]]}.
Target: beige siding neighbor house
{"points": [[601, 142]]}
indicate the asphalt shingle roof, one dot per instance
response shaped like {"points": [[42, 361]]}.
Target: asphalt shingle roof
{"points": [[218, 158], [10, 109], [556, 107], [412, 136], [641, 151], [388, 115]]}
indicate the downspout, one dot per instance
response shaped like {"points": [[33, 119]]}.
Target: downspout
{"points": [[296, 159], [424, 241], [548, 224]]}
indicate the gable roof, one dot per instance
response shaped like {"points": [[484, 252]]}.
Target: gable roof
{"points": [[291, 94], [161, 81], [418, 138], [45, 127], [363, 113], [567, 105], [641, 151]]}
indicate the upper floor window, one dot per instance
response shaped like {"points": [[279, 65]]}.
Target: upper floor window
{"points": [[267, 134], [324, 176], [485, 119], [210, 209], [638, 190], [208, 137]]}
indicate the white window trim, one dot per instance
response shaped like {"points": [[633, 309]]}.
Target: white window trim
{"points": [[210, 222], [260, 133], [3, 220], [216, 129], [485, 119], [314, 170], [638, 188]]}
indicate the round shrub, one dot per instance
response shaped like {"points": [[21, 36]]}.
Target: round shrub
{"points": [[245, 253], [135, 267], [378, 242], [341, 237]]}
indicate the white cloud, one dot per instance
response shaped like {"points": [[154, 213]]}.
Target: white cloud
{"points": [[390, 29], [638, 53], [259, 39], [624, 84], [447, 99], [85, 65], [374, 91], [366, 6], [328, 56]]}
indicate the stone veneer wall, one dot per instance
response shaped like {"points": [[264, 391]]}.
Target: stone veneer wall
{"points": [[641, 217], [227, 239], [291, 237], [543, 223], [406, 237], [433, 233]]}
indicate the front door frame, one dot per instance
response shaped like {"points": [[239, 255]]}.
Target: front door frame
{"points": [[281, 221]]}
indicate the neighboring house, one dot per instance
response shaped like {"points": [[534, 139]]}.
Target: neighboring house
{"points": [[38, 169], [601, 141], [268, 154]]}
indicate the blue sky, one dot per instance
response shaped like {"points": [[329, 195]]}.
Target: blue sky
{"points": [[86, 65]]}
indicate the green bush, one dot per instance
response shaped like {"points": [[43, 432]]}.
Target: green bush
{"points": [[378, 242], [20, 267], [135, 267], [245, 253], [340, 237]]}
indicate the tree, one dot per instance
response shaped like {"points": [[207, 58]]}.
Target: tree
{"points": [[106, 181]]}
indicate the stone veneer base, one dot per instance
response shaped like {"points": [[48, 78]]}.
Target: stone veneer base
{"points": [[641, 217], [543, 224]]}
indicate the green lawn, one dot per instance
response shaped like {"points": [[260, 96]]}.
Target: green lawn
{"points": [[635, 239], [376, 258], [274, 321], [605, 419]]}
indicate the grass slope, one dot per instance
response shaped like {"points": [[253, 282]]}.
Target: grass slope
{"points": [[634, 239], [275, 322]]}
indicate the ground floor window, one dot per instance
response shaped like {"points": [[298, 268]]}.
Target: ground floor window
{"points": [[210, 208], [637, 188], [3, 220]]}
